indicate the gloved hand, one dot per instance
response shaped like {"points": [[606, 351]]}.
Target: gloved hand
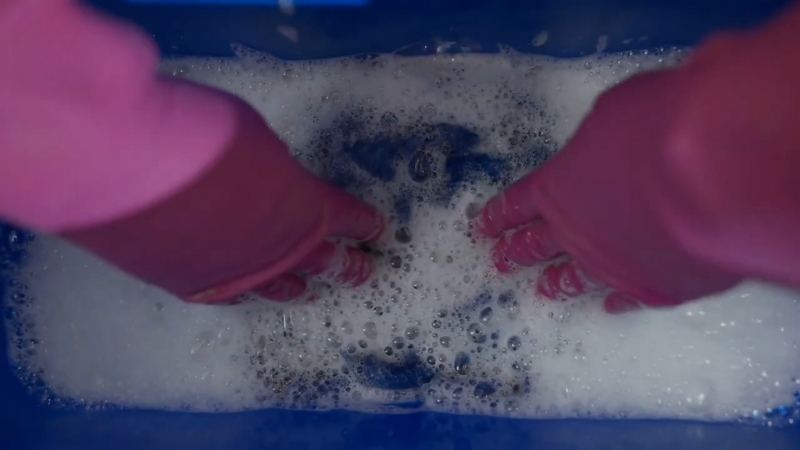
{"points": [[602, 199], [677, 185], [178, 184], [256, 221]]}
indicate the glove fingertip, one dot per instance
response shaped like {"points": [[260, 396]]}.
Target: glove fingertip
{"points": [[358, 268], [620, 303], [282, 289], [563, 280]]}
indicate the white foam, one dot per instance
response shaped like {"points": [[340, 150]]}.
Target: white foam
{"points": [[95, 335]]}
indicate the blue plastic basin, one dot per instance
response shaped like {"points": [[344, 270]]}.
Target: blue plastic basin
{"points": [[331, 28]]}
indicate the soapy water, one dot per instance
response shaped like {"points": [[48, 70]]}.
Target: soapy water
{"points": [[427, 140]]}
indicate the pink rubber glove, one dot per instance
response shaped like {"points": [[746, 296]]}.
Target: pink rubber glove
{"points": [[178, 184], [256, 221], [677, 185]]}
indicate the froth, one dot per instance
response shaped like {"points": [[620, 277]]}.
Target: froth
{"points": [[427, 140]]}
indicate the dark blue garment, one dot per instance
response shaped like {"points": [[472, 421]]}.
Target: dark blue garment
{"points": [[408, 372], [429, 162]]}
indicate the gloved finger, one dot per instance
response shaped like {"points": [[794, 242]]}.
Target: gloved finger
{"points": [[618, 303], [566, 279], [349, 217], [509, 209], [282, 289], [525, 247], [343, 264]]}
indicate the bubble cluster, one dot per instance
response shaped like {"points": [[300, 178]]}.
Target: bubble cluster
{"points": [[428, 141]]}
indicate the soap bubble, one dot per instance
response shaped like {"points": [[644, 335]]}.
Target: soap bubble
{"points": [[398, 342], [396, 262], [472, 211], [370, 330], [514, 343], [505, 299], [347, 327], [402, 235], [461, 363], [483, 390], [334, 340], [476, 333], [419, 168], [486, 314], [457, 392]]}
